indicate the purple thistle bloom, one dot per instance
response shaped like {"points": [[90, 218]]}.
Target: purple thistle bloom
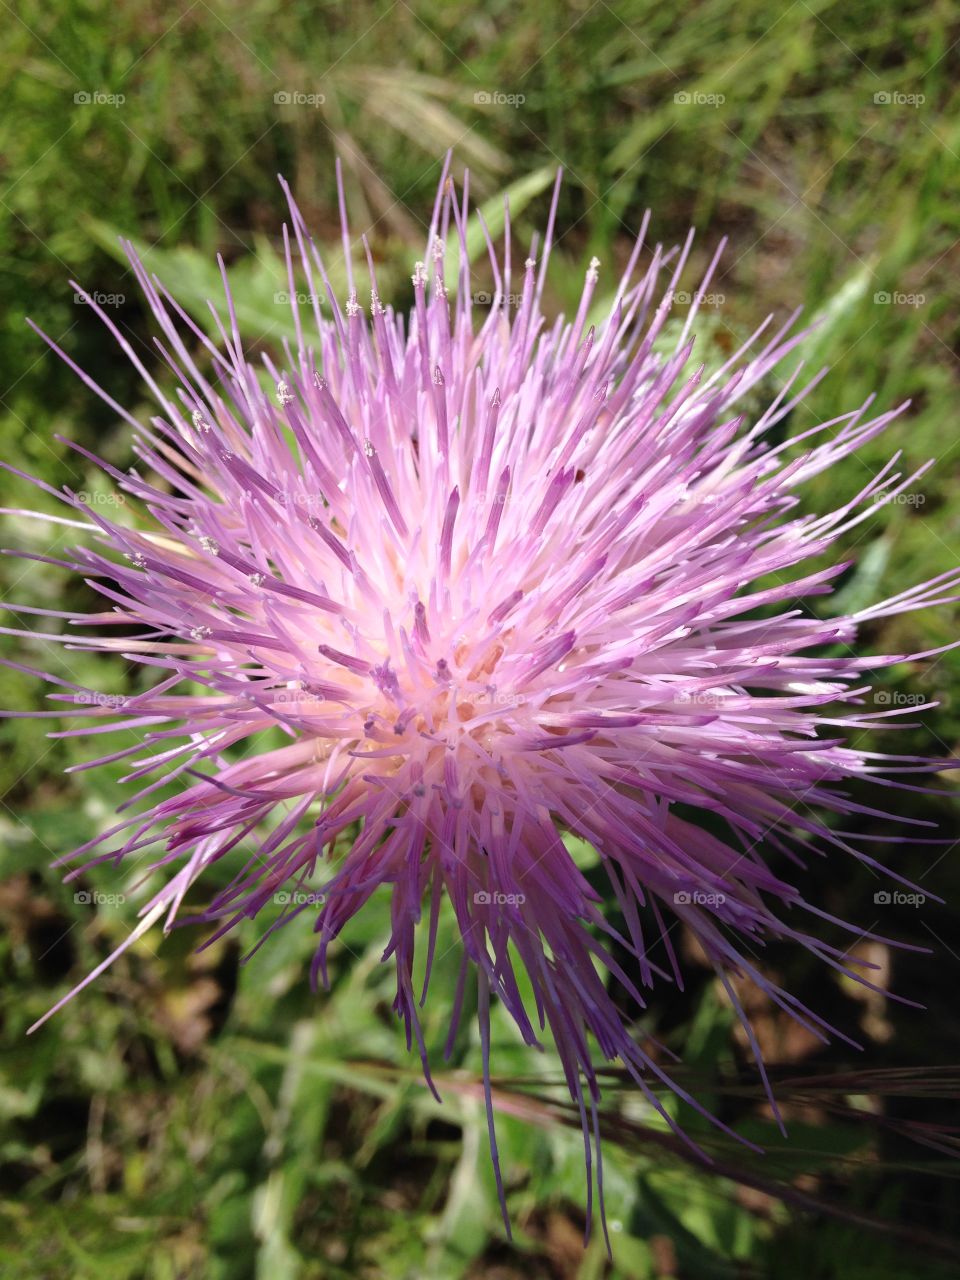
{"points": [[490, 578]]}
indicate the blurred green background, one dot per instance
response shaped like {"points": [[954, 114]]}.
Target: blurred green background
{"points": [[189, 1117]]}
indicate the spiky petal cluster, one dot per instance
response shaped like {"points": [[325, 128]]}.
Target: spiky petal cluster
{"points": [[492, 580]]}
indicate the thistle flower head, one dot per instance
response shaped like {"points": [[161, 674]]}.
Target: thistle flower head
{"points": [[496, 580]]}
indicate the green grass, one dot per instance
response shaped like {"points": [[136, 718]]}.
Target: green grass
{"points": [[192, 1117]]}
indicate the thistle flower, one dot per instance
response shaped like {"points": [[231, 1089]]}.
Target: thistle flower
{"points": [[495, 582]]}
